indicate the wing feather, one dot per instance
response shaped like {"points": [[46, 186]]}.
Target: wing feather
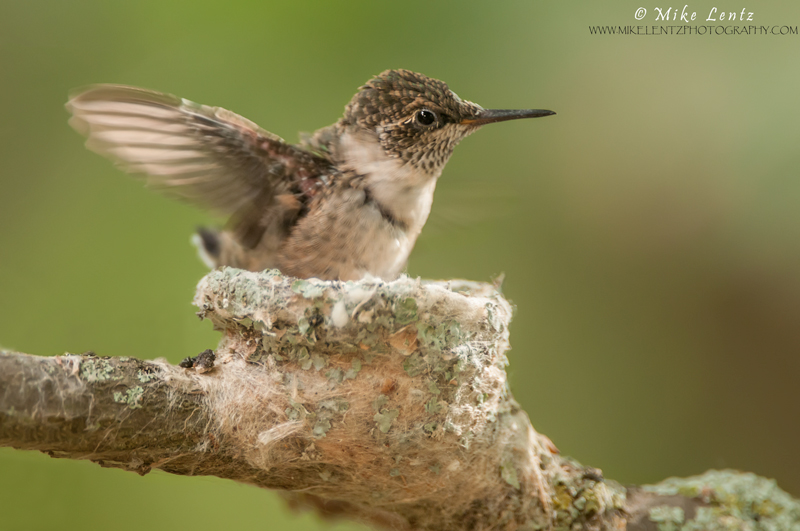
{"points": [[206, 155]]}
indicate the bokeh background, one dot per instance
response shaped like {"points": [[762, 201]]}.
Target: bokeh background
{"points": [[650, 232]]}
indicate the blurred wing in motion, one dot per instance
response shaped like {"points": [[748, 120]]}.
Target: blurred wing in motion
{"points": [[207, 155]]}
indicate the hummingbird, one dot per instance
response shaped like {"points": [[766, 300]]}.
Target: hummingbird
{"points": [[346, 202]]}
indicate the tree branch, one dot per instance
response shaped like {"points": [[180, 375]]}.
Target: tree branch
{"points": [[383, 402]]}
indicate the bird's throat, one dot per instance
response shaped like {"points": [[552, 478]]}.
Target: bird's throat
{"points": [[400, 189]]}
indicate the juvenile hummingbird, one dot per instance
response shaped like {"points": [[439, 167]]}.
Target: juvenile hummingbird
{"points": [[347, 201]]}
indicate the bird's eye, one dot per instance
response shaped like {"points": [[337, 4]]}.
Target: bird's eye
{"points": [[426, 117]]}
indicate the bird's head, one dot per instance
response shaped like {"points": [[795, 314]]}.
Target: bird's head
{"points": [[419, 120]]}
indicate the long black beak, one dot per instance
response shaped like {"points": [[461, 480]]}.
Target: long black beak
{"points": [[488, 116]]}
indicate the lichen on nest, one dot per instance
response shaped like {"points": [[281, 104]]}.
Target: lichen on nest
{"points": [[390, 396], [309, 370]]}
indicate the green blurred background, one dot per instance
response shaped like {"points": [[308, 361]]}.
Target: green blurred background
{"points": [[650, 233]]}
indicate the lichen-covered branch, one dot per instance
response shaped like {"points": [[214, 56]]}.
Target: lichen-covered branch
{"points": [[384, 402]]}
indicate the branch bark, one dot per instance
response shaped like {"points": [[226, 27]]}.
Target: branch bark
{"points": [[383, 402]]}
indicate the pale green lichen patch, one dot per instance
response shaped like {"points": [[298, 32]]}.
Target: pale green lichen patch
{"points": [[433, 406], [318, 361], [352, 372], [415, 365], [589, 501], [336, 374], [296, 411], [577, 498], [145, 377], [735, 500], [383, 417], [379, 402], [509, 473], [667, 518], [98, 370], [437, 337], [131, 397], [326, 413], [308, 289], [406, 311], [493, 318], [303, 359], [245, 322], [321, 427]]}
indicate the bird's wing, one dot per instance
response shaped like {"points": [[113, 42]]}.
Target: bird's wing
{"points": [[206, 155]]}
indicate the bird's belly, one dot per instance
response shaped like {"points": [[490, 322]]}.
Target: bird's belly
{"points": [[347, 241], [388, 254], [372, 248]]}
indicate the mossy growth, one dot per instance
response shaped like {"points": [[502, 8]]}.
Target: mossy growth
{"points": [[95, 370], [580, 495], [416, 368], [733, 501], [365, 372], [131, 397]]}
